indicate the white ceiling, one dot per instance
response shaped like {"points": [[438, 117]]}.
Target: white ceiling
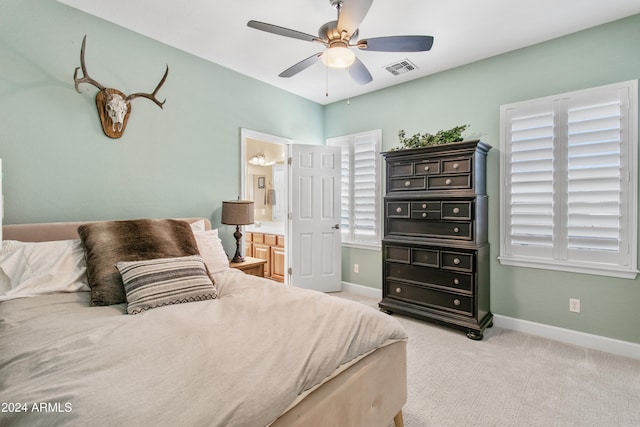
{"points": [[464, 30]]}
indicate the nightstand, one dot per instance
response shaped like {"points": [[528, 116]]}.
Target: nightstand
{"points": [[253, 266]]}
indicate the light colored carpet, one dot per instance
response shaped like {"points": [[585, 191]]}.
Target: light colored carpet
{"points": [[512, 379]]}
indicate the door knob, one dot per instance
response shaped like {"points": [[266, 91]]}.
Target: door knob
{"points": [[336, 227]]}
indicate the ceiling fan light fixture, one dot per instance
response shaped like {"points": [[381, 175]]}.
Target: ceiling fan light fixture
{"points": [[340, 36], [338, 57]]}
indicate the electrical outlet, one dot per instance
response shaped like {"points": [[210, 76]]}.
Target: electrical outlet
{"points": [[574, 305], [356, 268]]}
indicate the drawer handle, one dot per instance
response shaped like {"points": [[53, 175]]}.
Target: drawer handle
{"points": [[407, 183], [456, 166], [424, 206], [456, 261], [399, 210], [448, 182], [456, 301], [426, 168], [456, 230], [456, 210], [456, 281], [398, 290], [424, 214]]}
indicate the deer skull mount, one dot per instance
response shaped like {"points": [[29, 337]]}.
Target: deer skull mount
{"points": [[113, 106]]}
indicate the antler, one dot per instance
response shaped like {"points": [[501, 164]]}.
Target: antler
{"points": [[152, 95], [85, 78]]}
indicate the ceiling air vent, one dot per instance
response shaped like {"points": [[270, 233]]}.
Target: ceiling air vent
{"points": [[401, 67]]}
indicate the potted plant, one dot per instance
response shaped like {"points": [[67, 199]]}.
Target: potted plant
{"points": [[426, 140]]}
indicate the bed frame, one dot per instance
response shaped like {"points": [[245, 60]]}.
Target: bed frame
{"points": [[370, 392]]}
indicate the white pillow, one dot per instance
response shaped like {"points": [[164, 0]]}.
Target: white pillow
{"points": [[35, 268], [197, 226], [211, 250]]}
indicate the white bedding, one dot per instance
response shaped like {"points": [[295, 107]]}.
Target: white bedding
{"points": [[239, 360], [28, 269]]}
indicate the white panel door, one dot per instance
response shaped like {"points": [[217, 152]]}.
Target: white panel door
{"points": [[315, 217]]}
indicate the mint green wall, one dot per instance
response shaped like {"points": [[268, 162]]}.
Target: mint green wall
{"points": [[182, 160], [472, 95]]}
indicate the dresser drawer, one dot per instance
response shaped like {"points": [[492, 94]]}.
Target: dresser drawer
{"points": [[439, 229], [425, 214], [398, 210], [427, 205], [425, 210], [457, 261], [396, 169], [451, 280], [398, 254], [406, 255], [431, 298], [456, 165], [425, 257], [407, 184], [449, 182], [456, 210], [427, 167]]}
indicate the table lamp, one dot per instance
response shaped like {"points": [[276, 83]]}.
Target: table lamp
{"points": [[237, 212]]}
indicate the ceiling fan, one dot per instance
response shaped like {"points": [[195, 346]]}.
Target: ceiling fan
{"points": [[340, 36]]}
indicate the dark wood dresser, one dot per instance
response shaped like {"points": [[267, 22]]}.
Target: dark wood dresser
{"points": [[435, 247]]}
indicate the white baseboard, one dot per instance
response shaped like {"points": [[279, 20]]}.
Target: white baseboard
{"points": [[362, 290], [568, 336], [596, 342]]}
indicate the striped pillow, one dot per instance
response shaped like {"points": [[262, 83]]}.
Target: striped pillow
{"points": [[164, 281]]}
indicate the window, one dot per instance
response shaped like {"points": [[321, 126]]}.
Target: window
{"points": [[569, 174], [360, 202]]}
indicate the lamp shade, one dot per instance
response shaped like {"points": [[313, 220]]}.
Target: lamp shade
{"points": [[237, 212]]}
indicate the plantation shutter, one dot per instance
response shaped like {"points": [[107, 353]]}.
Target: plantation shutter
{"points": [[364, 188], [345, 182], [596, 219], [530, 230], [360, 201], [569, 171]]}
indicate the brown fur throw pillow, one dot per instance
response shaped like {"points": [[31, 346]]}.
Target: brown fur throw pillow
{"points": [[109, 242]]}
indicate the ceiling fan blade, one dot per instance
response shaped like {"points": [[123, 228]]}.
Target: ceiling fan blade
{"points": [[302, 65], [397, 44], [359, 72], [351, 14], [281, 31]]}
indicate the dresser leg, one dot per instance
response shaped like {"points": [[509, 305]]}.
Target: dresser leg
{"points": [[475, 335]]}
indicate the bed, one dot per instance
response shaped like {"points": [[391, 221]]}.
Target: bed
{"points": [[252, 352]]}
